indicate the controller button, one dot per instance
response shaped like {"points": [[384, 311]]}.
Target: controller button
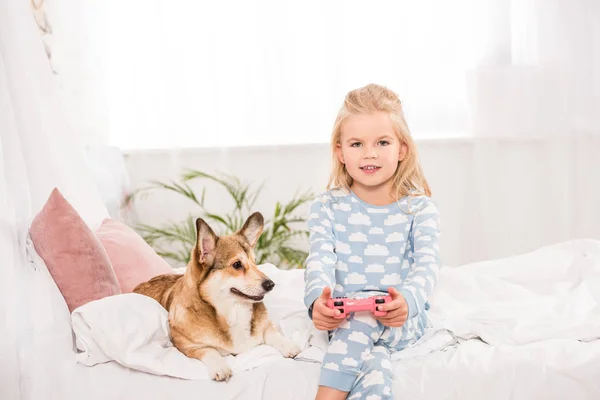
{"points": [[338, 303], [379, 301]]}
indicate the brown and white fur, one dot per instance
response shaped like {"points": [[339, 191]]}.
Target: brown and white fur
{"points": [[215, 308]]}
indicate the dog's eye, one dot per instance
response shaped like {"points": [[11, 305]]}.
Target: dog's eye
{"points": [[237, 265]]}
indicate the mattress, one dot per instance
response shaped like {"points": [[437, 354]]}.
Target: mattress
{"points": [[555, 369]]}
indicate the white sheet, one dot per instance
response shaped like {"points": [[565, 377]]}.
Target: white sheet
{"points": [[526, 358], [133, 330]]}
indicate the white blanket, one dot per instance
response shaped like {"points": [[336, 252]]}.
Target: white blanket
{"points": [[133, 330], [552, 293]]}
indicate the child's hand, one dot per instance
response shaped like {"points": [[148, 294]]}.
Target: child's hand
{"points": [[397, 310], [322, 315]]}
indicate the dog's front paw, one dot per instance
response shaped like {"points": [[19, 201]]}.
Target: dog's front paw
{"points": [[288, 348], [218, 369]]}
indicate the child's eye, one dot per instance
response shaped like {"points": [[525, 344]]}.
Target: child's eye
{"points": [[383, 143], [355, 144]]}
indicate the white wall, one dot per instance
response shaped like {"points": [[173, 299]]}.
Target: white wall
{"points": [[498, 197]]}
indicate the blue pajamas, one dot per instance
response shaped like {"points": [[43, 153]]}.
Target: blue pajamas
{"points": [[358, 357], [359, 250]]}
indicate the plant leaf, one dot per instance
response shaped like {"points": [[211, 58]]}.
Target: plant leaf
{"points": [[176, 240]]}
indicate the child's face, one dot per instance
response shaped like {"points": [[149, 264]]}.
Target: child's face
{"points": [[370, 149]]}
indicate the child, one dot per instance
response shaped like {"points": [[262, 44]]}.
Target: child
{"points": [[374, 232]]}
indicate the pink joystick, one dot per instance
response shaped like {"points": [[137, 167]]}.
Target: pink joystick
{"points": [[346, 305]]}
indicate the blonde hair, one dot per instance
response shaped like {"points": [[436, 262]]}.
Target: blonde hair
{"points": [[408, 178]]}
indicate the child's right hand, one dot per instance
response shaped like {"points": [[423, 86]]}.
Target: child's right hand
{"points": [[322, 315]]}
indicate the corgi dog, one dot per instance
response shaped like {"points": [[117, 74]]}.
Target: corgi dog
{"points": [[215, 307]]}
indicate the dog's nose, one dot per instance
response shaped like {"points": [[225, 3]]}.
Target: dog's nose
{"points": [[268, 285]]}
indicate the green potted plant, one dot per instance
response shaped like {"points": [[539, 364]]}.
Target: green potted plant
{"points": [[174, 240]]}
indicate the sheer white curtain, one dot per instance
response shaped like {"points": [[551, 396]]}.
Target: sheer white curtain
{"points": [[12, 215], [201, 74], [79, 38], [540, 70], [38, 151], [534, 175], [183, 73]]}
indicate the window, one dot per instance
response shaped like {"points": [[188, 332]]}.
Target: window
{"points": [[245, 73]]}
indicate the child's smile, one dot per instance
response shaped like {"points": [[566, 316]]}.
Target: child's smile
{"points": [[370, 169]]}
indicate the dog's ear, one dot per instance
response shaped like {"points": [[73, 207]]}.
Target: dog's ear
{"points": [[253, 228], [206, 240]]}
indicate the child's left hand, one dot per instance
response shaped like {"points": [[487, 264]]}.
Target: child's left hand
{"points": [[397, 310]]}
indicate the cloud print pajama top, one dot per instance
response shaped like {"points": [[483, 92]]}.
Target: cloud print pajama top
{"points": [[359, 250]]}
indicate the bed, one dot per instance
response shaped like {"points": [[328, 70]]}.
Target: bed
{"points": [[524, 327]]}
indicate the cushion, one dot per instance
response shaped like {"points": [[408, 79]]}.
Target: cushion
{"points": [[133, 260], [74, 256]]}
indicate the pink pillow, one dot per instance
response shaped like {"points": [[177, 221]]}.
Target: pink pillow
{"points": [[133, 260], [74, 256]]}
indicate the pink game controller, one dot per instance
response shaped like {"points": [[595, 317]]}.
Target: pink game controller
{"points": [[346, 305]]}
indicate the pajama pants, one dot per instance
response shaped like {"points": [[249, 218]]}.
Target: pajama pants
{"points": [[358, 357]]}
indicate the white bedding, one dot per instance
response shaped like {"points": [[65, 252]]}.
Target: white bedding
{"points": [[133, 330], [538, 312]]}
